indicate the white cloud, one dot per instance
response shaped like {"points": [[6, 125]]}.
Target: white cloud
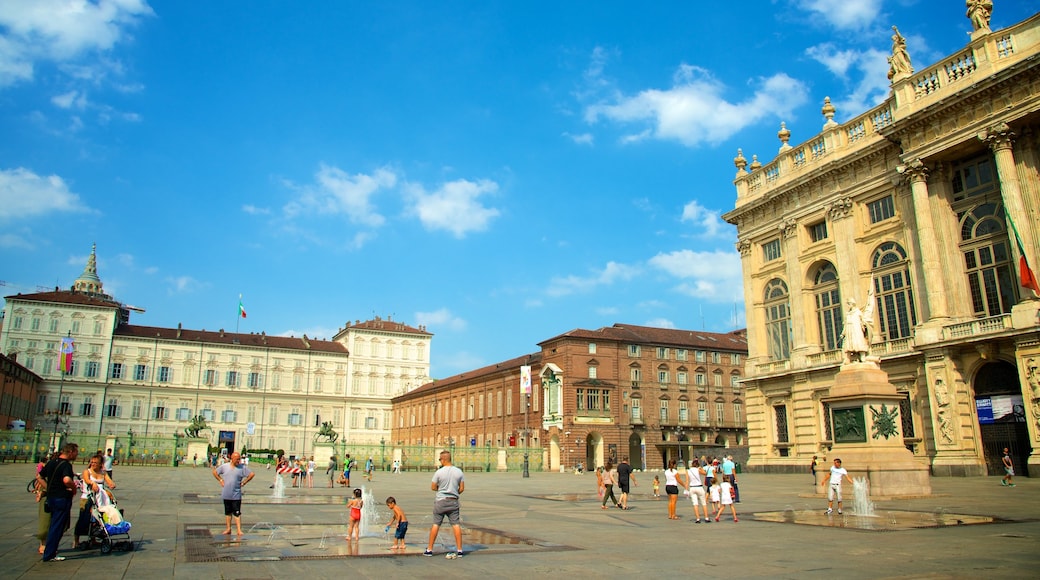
{"points": [[612, 272], [459, 361], [442, 318], [714, 276], [580, 139], [870, 67], [454, 207], [24, 194], [254, 210], [336, 193], [316, 332], [659, 323], [61, 31], [9, 240], [70, 100], [693, 111], [705, 220], [845, 14], [184, 285], [608, 311]]}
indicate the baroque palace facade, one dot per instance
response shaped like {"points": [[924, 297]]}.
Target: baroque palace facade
{"points": [[650, 394], [253, 390], [913, 207]]}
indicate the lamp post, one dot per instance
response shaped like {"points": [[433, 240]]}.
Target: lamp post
{"points": [[566, 451], [527, 436], [382, 453], [36, 444], [487, 455]]}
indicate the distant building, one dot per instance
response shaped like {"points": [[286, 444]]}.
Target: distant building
{"points": [[18, 394], [253, 390], [650, 394], [917, 201]]}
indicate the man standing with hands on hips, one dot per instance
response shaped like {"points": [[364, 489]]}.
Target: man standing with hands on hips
{"points": [[232, 476], [448, 484]]}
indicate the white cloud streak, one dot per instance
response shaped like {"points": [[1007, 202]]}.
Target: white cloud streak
{"points": [[24, 194], [454, 207], [694, 111], [441, 318], [712, 276], [845, 14], [707, 222], [611, 273]]}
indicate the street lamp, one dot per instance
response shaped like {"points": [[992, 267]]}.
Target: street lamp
{"points": [[382, 453], [566, 450]]}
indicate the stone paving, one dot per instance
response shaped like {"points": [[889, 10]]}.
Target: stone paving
{"points": [[550, 523]]}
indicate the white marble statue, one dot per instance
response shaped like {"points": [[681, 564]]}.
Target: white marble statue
{"points": [[859, 323]]}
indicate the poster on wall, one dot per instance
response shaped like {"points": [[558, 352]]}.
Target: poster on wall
{"points": [[1000, 409]]}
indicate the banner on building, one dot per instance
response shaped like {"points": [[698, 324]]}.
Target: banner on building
{"points": [[65, 360], [1000, 409], [525, 380]]}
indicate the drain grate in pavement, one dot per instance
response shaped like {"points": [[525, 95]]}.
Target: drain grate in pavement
{"points": [[275, 542]]}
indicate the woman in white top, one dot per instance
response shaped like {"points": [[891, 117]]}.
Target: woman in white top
{"points": [[94, 480], [695, 476], [671, 487]]}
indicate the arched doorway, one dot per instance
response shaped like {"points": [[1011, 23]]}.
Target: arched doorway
{"points": [[554, 453], [595, 455], [636, 453], [1002, 419]]}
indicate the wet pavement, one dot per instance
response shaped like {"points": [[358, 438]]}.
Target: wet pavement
{"points": [[550, 523]]}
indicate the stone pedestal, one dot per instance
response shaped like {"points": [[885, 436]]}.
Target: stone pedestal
{"points": [[323, 450], [868, 435], [196, 447]]}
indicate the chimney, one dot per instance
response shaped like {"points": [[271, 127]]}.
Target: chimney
{"points": [[178, 330]]}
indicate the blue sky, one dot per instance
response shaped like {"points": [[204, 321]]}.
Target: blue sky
{"points": [[501, 172]]}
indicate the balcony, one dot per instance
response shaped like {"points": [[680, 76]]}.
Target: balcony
{"points": [[975, 328]]}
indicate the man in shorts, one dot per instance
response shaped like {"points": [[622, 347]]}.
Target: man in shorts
{"points": [[232, 476], [449, 484], [834, 485], [625, 477], [1009, 469]]}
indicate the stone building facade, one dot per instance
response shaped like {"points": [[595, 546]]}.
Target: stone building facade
{"points": [[253, 390], [649, 394], [921, 210]]}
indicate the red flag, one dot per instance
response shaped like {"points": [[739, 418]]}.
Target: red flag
{"points": [[1026, 275], [241, 309]]}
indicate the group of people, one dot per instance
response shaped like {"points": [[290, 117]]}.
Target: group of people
{"points": [[715, 479], [57, 484]]}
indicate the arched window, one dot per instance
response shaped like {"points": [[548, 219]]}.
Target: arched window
{"points": [[828, 305], [895, 299], [778, 319], [987, 260]]}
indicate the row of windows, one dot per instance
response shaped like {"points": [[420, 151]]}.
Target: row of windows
{"points": [[878, 210], [664, 413], [36, 324], [988, 268], [682, 377], [681, 354], [161, 411]]}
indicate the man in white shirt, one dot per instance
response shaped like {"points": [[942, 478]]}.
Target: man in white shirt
{"points": [[837, 473]]}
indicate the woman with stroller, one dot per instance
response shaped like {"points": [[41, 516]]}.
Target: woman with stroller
{"points": [[94, 481]]}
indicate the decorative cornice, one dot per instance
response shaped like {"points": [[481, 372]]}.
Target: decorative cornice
{"points": [[840, 208]]}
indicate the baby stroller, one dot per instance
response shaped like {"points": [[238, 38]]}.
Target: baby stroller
{"points": [[108, 529]]}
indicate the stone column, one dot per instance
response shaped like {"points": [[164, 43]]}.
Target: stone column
{"points": [[916, 173], [756, 350], [844, 230], [789, 240], [1000, 139]]}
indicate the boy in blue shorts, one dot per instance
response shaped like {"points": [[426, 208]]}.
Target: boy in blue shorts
{"points": [[402, 523]]}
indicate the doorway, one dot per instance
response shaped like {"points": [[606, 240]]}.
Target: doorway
{"points": [[1002, 420]]}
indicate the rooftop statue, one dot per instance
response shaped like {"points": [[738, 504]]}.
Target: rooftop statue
{"points": [[899, 62], [979, 12]]}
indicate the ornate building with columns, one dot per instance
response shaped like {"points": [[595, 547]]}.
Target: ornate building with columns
{"points": [[925, 207], [253, 389]]}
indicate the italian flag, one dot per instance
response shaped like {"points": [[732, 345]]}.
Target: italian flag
{"points": [[1027, 278], [241, 309]]}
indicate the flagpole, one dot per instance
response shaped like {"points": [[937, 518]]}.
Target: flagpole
{"points": [[238, 315]]}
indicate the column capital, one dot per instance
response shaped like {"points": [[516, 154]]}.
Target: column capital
{"points": [[999, 136], [840, 208], [744, 246], [787, 227], [914, 171]]}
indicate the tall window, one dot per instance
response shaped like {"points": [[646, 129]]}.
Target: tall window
{"points": [[637, 375], [881, 209], [781, 423], [684, 412], [117, 371], [818, 231], [663, 411], [987, 260], [112, 409], [778, 319], [895, 299], [211, 377], [165, 374], [702, 412], [738, 412], [828, 306], [637, 411], [771, 250], [140, 373]]}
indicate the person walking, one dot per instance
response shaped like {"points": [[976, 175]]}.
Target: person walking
{"points": [[109, 460], [370, 466], [449, 484], [695, 479], [812, 470], [671, 487], [232, 477], [1009, 469], [834, 491], [626, 478], [726, 499], [60, 479], [609, 476]]}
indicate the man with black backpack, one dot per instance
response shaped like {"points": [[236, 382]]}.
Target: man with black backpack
{"points": [[60, 478]]}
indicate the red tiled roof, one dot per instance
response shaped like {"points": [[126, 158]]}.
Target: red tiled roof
{"points": [[389, 326], [66, 297], [736, 340], [511, 365], [231, 338]]}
